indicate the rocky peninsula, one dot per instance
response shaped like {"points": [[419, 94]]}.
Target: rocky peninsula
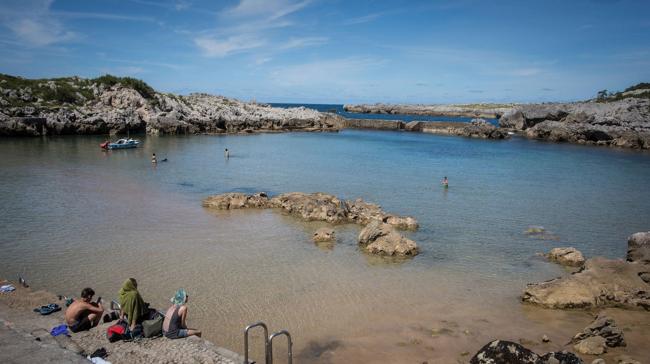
{"points": [[620, 123], [477, 128], [491, 111], [379, 236], [114, 105]]}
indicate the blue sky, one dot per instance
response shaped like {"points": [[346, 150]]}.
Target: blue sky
{"points": [[331, 51]]}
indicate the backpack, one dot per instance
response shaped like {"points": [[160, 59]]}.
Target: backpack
{"points": [[119, 331], [153, 327]]}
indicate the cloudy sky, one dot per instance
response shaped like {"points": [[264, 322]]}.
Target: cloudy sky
{"points": [[336, 51]]}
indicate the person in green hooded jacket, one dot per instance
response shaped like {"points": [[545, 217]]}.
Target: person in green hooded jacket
{"points": [[133, 307]]}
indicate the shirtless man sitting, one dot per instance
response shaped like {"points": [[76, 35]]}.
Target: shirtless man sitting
{"points": [[84, 314]]}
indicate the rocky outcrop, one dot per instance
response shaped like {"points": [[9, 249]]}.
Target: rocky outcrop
{"points": [[466, 110], [382, 239], [119, 108], [324, 234], [602, 327], [379, 236], [566, 256], [313, 207], [594, 345], [638, 248], [477, 128], [600, 283], [501, 351], [377, 124], [623, 123]]}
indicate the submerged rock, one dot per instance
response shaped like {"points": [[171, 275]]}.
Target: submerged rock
{"points": [[594, 345], [567, 256], [600, 283], [324, 234], [603, 327], [235, 200], [501, 351], [381, 238]]}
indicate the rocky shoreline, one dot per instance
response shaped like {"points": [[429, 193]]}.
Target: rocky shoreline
{"points": [[477, 128], [110, 105], [490, 111], [30, 339], [623, 123]]}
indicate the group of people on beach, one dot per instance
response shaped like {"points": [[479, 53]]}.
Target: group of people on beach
{"points": [[84, 314]]}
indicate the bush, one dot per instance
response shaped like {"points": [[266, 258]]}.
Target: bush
{"points": [[142, 87]]}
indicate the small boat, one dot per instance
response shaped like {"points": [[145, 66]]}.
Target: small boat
{"points": [[120, 144]]}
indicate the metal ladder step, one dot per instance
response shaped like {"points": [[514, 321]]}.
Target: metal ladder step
{"points": [[268, 343]]}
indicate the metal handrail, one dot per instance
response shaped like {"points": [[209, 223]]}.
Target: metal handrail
{"points": [[266, 341], [289, 345]]}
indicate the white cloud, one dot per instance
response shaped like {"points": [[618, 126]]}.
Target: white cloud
{"points": [[303, 42], [362, 19], [270, 9], [213, 47], [32, 22]]}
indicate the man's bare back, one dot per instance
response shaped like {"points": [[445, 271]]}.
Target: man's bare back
{"points": [[83, 314]]}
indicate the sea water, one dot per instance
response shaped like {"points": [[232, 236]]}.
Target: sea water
{"points": [[73, 215]]}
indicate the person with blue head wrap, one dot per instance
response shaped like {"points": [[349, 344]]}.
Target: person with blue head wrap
{"points": [[174, 324]]}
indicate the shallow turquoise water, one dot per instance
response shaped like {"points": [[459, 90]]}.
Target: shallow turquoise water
{"points": [[73, 215]]}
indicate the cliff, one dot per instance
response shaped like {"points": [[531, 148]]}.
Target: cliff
{"points": [[110, 105], [620, 123]]}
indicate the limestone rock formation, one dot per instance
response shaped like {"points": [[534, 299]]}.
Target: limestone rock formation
{"points": [[603, 327], [468, 110], [594, 345], [623, 123], [600, 283], [567, 256], [313, 207], [477, 128], [231, 201], [324, 234], [93, 107], [381, 238], [501, 351], [638, 248]]}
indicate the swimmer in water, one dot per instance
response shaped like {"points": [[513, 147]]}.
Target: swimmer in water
{"points": [[445, 182], [226, 153], [154, 160]]}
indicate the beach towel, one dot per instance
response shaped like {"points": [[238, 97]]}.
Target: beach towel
{"points": [[7, 288], [48, 309], [60, 330], [131, 302]]}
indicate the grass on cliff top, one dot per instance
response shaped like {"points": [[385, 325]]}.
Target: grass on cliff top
{"points": [[70, 90], [603, 96]]}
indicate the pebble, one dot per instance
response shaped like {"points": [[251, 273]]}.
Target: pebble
{"points": [[545, 338]]}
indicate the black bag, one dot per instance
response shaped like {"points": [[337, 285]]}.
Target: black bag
{"points": [[153, 327]]}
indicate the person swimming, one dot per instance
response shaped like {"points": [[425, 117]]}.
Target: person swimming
{"points": [[226, 153], [154, 160], [445, 182]]}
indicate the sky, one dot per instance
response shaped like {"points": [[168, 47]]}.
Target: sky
{"points": [[337, 51]]}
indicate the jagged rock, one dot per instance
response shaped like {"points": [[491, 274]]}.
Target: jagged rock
{"points": [[638, 248], [622, 123], [598, 361], [600, 283], [594, 345], [480, 110], [380, 238], [313, 207], [567, 256], [501, 351], [624, 359], [118, 109], [475, 129], [603, 327], [230, 201], [324, 234]]}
